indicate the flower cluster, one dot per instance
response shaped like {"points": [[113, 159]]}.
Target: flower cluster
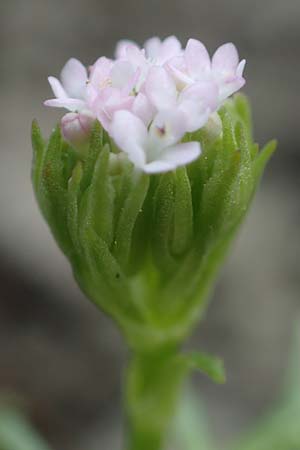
{"points": [[148, 99]]}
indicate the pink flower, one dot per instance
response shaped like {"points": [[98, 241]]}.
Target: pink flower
{"points": [[160, 51], [110, 88], [70, 93], [155, 50], [196, 101], [157, 149], [76, 127], [195, 65], [148, 99]]}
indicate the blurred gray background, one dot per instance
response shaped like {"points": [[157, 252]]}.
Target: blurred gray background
{"points": [[58, 355]]}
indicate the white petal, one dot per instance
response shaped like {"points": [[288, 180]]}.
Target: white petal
{"points": [[160, 88], [121, 47], [130, 135], [197, 60], [172, 157], [143, 108], [100, 72], [121, 74], [152, 47], [72, 104], [202, 92], [240, 68], [158, 167], [57, 88], [228, 88], [181, 154], [136, 56], [225, 59], [170, 48], [176, 67], [74, 77], [196, 114], [168, 127], [197, 102]]}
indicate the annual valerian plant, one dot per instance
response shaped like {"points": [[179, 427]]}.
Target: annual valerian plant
{"points": [[144, 184]]}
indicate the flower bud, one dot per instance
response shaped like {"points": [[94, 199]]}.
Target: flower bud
{"points": [[76, 128]]}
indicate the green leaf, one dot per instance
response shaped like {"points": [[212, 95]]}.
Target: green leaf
{"points": [[39, 150], [210, 365], [183, 213], [129, 214], [242, 107], [262, 158], [96, 144], [162, 224], [52, 192], [73, 206], [100, 206]]}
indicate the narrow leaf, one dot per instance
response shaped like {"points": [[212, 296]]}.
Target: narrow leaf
{"points": [[183, 213], [128, 217]]}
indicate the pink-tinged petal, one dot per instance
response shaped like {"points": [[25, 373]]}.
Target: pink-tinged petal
{"points": [[160, 88], [240, 68], [196, 114], [226, 59], [228, 88], [176, 67], [135, 56], [205, 92], [170, 48], [121, 48], [197, 60], [108, 102], [74, 78], [161, 51], [72, 104], [198, 102], [100, 72], [143, 109], [77, 127], [57, 88], [168, 127], [130, 135], [122, 74]]}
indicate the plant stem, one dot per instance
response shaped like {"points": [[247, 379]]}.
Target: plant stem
{"points": [[152, 389]]}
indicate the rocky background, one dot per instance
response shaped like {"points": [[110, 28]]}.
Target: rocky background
{"points": [[58, 355]]}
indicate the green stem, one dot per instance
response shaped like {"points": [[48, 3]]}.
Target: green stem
{"points": [[152, 389]]}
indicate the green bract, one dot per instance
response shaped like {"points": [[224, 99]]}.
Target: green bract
{"points": [[146, 249]]}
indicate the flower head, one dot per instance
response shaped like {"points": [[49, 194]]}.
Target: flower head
{"points": [[143, 86]]}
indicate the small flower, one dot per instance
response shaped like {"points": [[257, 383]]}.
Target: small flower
{"points": [[196, 101], [160, 51], [157, 149], [110, 88], [195, 65], [155, 50], [76, 128], [70, 93]]}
